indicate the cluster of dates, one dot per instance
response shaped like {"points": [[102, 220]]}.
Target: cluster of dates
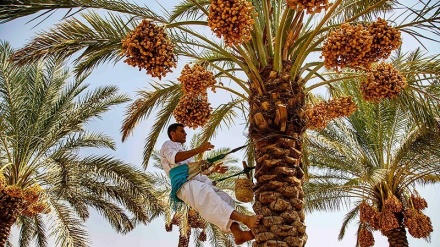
{"points": [[148, 47]]}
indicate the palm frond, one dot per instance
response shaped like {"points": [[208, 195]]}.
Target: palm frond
{"points": [[197, 45], [84, 140], [421, 20], [349, 9], [147, 101], [77, 201], [122, 175], [223, 114], [13, 9], [27, 231], [349, 217], [66, 227], [325, 196], [110, 186], [162, 119], [98, 38], [218, 238], [115, 215], [189, 9], [94, 104], [41, 231]]}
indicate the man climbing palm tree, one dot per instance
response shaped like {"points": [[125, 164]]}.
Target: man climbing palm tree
{"points": [[212, 204]]}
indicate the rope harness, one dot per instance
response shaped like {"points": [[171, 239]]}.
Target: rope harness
{"points": [[245, 170]]}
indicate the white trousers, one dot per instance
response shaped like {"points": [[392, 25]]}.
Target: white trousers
{"points": [[214, 205]]}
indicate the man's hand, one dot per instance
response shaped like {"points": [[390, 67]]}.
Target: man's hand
{"points": [[206, 146], [220, 168]]}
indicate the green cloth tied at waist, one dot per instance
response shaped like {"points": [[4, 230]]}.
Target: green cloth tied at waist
{"points": [[179, 176]]}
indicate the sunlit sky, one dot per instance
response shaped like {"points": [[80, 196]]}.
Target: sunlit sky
{"points": [[322, 228]]}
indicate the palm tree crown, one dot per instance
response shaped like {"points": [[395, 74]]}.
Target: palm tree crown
{"points": [[43, 178], [372, 161]]}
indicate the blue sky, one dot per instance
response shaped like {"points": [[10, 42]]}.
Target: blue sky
{"points": [[322, 228]]}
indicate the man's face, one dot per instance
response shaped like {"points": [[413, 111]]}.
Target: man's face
{"points": [[179, 135]]}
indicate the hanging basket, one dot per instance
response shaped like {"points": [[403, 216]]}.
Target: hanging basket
{"points": [[243, 190]]}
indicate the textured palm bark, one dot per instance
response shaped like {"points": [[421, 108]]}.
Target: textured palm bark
{"points": [[277, 137], [9, 208], [397, 236]]}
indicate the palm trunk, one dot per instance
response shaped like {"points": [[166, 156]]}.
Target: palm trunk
{"points": [[397, 236], [276, 130], [9, 208]]}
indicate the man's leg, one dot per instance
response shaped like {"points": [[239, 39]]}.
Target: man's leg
{"points": [[224, 196], [205, 200], [212, 208], [249, 220]]}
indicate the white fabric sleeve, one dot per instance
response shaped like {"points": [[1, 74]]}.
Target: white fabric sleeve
{"points": [[169, 153]]}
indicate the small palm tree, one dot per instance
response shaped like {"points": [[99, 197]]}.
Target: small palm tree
{"points": [[372, 162], [43, 177]]}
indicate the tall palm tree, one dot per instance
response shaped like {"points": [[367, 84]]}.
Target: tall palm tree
{"points": [[46, 186], [373, 161], [269, 59]]}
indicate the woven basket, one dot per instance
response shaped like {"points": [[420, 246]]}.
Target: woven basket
{"points": [[243, 190]]}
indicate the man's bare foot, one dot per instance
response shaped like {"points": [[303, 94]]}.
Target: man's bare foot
{"points": [[240, 236], [252, 221]]}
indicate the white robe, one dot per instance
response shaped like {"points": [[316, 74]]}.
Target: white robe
{"points": [[213, 205]]}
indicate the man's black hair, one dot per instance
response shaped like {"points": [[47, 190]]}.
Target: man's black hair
{"points": [[173, 128]]}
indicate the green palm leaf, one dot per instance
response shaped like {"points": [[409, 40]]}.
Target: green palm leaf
{"points": [[381, 150], [224, 114], [98, 38], [12, 9], [42, 121], [166, 95], [68, 229]]}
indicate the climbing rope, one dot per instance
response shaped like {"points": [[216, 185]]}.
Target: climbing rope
{"points": [[246, 170], [221, 156], [214, 159]]}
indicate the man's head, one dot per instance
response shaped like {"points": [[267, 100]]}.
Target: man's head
{"points": [[176, 133]]}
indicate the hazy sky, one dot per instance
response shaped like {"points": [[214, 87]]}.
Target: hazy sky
{"points": [[322, 228]]}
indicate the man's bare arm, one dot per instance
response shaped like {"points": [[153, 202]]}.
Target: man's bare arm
{"points": [[183, 155]]}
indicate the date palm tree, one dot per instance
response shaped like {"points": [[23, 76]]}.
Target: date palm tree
{"points": [[47, 187], [268, 59], [373, 162]]}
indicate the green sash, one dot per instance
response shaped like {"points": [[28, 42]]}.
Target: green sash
{"points": [[179, 176]]}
